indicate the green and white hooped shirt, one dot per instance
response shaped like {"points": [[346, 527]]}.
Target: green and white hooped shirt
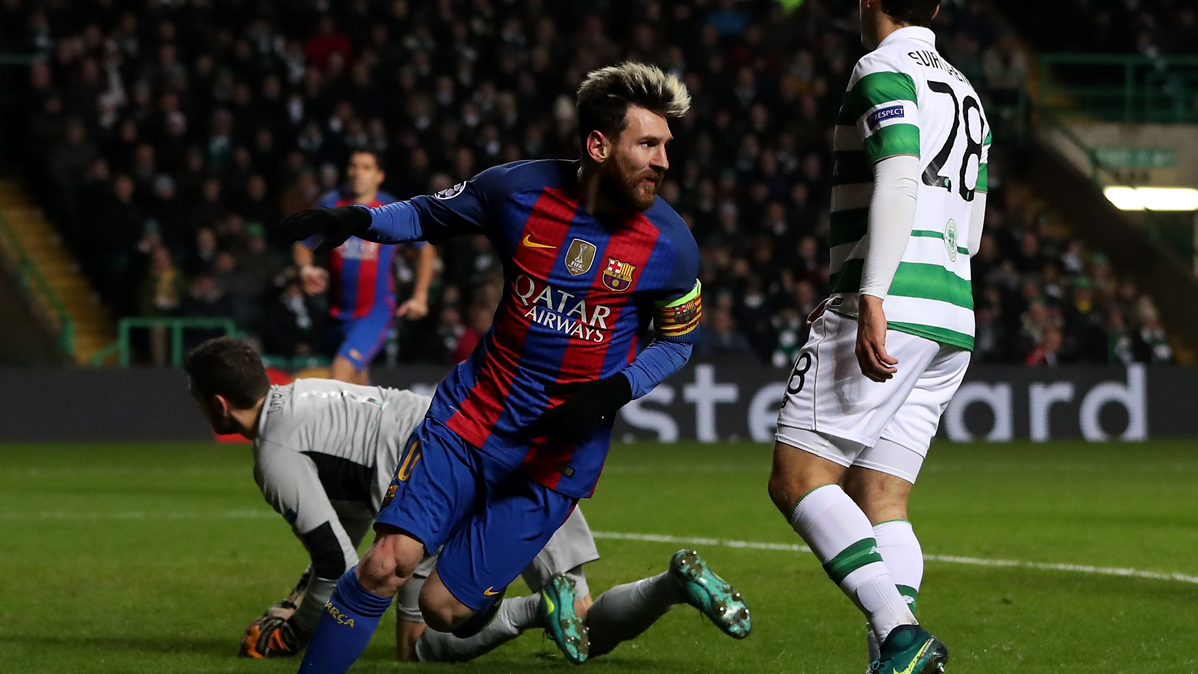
{"points": [[905, 99]]}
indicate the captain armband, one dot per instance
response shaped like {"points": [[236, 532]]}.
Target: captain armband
{"points": [[678, 317]]}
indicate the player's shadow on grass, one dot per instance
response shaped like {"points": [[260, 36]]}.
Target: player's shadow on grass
{"points": [[197, 645]]}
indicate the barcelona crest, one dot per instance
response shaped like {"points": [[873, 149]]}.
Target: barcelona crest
{"points": [[390, 496], [618, 275], [687, 312]]}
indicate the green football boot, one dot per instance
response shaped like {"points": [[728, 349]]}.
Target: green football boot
{"points": [[909, 649], [709, 593], [556, 612]]}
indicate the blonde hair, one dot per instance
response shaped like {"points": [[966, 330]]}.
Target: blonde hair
{"points": [[605, 94]]}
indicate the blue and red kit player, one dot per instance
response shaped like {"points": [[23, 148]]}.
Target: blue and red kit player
{"points": [[359, 280], [519, 432]]}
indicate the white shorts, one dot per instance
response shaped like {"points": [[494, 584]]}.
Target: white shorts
{"points": [[845, 414], [565, 553]]}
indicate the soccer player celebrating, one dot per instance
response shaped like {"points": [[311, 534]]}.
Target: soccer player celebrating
{"points": [[324, 454], [360, 282], [885, 358], [518, 432]]}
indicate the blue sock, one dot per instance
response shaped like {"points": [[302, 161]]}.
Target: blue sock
{"points": [[349, 620]]}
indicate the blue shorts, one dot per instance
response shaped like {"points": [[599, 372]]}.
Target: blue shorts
{"points": [[359, 340], [489, 520]]}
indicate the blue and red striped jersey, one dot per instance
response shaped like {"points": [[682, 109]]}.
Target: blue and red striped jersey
{"points": [[580, 294], [360, 279]]}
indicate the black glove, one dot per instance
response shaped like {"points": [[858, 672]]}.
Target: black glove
{"points": [[587, 403], [337, 225], [270, 637]]}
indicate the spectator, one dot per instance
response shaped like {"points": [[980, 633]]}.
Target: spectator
{"points": [[1150, 344], [792, 330], [162, 288], [720, 337], [242, 291], [451, 333], [116, 227], [292, 324], [160, 294], [204, 300], [1048, 352]]}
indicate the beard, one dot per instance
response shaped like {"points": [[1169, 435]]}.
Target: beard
{"points": [[626, 186]]}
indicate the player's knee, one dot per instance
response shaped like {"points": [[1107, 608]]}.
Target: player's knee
{"points": [[377, 573], [443, 614], [880, 496], [388, 564], [780, 492]]}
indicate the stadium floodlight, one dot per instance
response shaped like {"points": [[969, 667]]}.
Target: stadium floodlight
{"points": [[1152, 198]]}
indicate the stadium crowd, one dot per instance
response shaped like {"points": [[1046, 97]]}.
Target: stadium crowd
{"points": [[1148, 27], [167, 141]]}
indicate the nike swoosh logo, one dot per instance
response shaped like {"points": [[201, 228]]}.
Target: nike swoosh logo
{"points": [[529, 243], [915, 660], [489, 592], [549, 605]]}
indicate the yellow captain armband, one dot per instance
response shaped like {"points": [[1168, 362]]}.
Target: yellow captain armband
{"points": [[677, 317]]}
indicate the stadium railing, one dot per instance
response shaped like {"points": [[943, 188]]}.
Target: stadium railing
{"points": [[176, 326], [31, 281], [1126, 88]]}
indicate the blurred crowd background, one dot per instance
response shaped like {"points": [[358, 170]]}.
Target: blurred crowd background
{"points": [[166, 138]]}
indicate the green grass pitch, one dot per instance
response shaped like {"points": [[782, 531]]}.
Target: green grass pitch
{"points": [[152, 558]]}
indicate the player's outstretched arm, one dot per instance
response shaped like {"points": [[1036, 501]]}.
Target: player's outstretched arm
{"points": [[335, 225], [393, 223]]}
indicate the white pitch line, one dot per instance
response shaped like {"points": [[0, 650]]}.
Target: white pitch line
{"points": [[622, 536], [947, 559]]}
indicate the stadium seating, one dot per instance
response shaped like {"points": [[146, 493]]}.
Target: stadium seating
{"points": [[165, 145]]}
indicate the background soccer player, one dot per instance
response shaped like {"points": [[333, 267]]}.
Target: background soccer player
{"points": [[324, 453], [885, 358], [360, 281], [591, 257]]}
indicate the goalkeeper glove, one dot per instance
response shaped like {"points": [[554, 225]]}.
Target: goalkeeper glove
{"points": [[336, 224], [587, 404], [270, 637]]}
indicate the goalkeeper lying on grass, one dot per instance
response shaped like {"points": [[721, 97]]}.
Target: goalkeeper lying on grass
{"points": [[325, 453]]}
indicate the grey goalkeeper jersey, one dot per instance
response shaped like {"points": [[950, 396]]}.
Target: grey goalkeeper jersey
{"points": [[324, 456]]}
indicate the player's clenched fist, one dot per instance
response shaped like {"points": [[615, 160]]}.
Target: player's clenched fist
{"points": [[270, 636], [586, 404], [336, 224]]}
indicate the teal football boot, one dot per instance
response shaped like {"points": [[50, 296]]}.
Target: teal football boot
{"points": [[909, 649], [556, 612], [709, 593]]}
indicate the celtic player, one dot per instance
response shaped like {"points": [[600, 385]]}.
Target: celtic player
{"points": [[888, 353]]}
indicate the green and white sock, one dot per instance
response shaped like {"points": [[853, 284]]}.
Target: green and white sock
{"points": [[840, 534], [904, 557]]}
